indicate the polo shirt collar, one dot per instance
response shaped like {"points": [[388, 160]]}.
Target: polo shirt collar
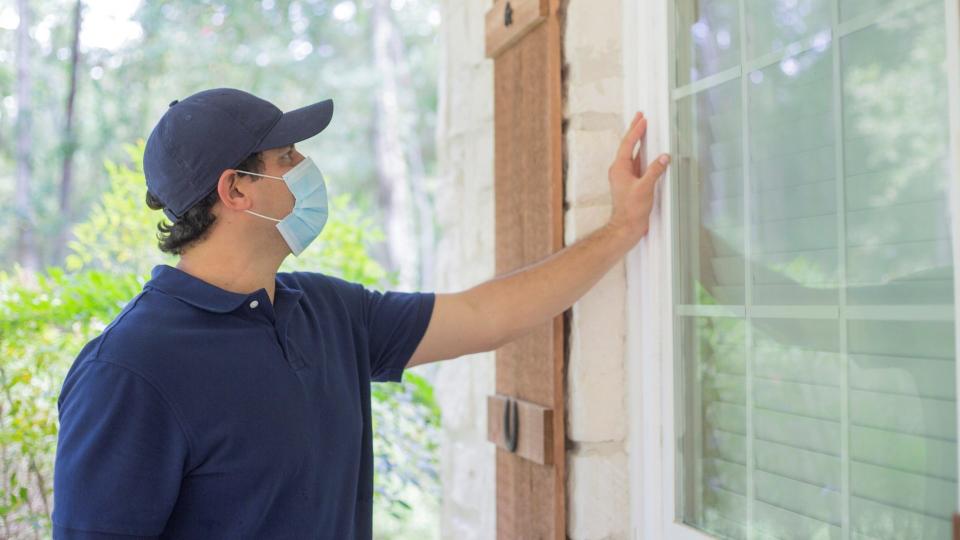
{"points": [[199, 293]]}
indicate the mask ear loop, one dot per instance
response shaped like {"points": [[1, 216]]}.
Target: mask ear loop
{"points": [[258, 174], [265, 176], [265, 217]]}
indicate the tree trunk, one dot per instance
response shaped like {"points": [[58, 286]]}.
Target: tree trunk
{"points": [[424, 205], [69, 138], [402, 200], [23, 206]]}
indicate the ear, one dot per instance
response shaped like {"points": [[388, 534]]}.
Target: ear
{"points": [[234, 190]]}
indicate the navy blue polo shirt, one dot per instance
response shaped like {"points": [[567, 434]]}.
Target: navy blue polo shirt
{"points": [[200, 413]]}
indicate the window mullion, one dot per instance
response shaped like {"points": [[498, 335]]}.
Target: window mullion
{"points": [[748, 281], [952, 14], [841, 271]]}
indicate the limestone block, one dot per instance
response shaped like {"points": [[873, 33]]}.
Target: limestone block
{"points": [[596, 403], [582, 219], [592, 40], [469, 501], [597, 494], [589, 155], [593, 58], [600, 95]]}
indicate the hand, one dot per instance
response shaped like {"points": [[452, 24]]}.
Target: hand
{"points": [[632, 185]]}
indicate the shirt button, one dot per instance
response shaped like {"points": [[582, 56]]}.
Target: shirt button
{"points": [[254, 304]]}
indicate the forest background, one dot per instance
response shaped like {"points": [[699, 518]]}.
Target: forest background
{"points": [[82, 82]]}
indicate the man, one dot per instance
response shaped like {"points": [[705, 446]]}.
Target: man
{"points": [[228, 400]]}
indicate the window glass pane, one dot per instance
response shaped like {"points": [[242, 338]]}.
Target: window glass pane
{"points": [[852, 9], [820, 400], [796, 427], [903, 452], [793, 181], [714, 488], [899, 252], [896, 163], [708, 39], [771, 26], [711, 195]]}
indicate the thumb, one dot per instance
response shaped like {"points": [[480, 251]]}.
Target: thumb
{"points": [[656, 168]]}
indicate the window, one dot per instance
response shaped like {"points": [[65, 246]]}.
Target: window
{"points": [[814, 374]]}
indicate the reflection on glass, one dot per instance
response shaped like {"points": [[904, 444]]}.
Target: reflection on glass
{"points": [[711, 211], [772, 25], [793, 181], [714, 483], [903, 449], [903, 464], [708, 39], [797, 428], [896, 141], [827, 407], [858, 8]]}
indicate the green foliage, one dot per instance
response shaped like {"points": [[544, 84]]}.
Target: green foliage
{"points": [[406, 426], [42, 328], [44, 323], [291, 52], [116, 234]]}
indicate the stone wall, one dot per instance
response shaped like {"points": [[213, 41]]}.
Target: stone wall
{"points": [[465, 257], [597, 487], [597, 483]]}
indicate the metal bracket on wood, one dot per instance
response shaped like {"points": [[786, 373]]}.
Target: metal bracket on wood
{"points": [[510, 430], [505, 417], [509, 20]]}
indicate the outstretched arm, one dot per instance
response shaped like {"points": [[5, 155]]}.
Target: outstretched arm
{"points": [[500, 310]]}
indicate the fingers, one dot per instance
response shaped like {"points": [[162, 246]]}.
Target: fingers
{"points": [[638, 161], [636, 132], [656, 168], [637, 129]]}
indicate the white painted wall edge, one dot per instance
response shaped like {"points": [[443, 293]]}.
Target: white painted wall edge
{"points": [[645, 88], [650, 284]]}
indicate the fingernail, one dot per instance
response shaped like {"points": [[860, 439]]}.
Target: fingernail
{"points": [[664, 159]]}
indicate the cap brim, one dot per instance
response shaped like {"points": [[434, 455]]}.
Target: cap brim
{"points": [[298, 125]]}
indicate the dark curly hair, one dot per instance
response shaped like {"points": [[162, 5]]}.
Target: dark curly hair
{"points": [[194, 225]]}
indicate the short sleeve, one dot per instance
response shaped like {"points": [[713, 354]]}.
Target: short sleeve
{"points": [[121, 455], [396, 322]]}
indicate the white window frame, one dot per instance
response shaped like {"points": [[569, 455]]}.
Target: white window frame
{"points": [[647, 42]]}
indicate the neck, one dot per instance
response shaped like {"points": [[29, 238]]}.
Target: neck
{"points": [[232, 271]]}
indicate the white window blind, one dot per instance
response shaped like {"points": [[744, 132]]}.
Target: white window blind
{"points": [[814, 294]]}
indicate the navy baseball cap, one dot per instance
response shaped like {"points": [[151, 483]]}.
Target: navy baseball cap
{"points": [[203, 134]]}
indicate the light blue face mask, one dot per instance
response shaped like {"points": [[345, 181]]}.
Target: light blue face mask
{"points": [[309, 214]]}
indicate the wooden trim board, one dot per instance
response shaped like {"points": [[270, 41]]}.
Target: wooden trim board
{"points": [[534, 428], [528, 185], [509, 20]]}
